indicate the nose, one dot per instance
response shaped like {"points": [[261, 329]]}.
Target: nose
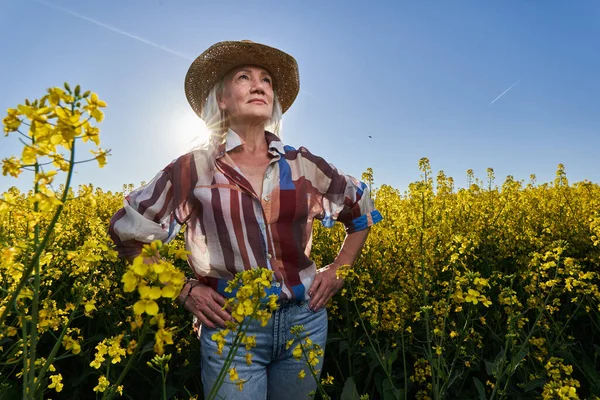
{"points": [[258, 86]]}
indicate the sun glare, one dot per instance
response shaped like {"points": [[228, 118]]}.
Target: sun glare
{"points": [[190, 131]]}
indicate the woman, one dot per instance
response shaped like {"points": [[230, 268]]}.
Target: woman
{"points": [[249, 202]]}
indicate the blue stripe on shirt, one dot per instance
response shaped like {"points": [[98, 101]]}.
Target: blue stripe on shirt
{"points": [[362, 222]]}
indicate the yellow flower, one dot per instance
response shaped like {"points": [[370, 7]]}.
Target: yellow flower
{"points": [[149, 292], [11, 122], [145, 306], [103, 384], [29, 155], [328, 380], [130, 281], [71, 344], [297, 353], [90, 306], [56, 383], [249, 341], [91, 133], [233, 374], [219, 338], [100, 156], [301, 374], [473, 296], [11, 166]]}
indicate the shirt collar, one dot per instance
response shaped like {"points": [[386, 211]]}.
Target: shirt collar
{"points": [[233, 140]]}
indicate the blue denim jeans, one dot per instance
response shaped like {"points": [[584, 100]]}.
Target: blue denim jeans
{"points": [[273, 373]]}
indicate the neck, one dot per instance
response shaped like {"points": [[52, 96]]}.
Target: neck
{"points": [[253, 136]]}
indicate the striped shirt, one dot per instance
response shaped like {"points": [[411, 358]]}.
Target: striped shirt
{"points": [[228, 228]]}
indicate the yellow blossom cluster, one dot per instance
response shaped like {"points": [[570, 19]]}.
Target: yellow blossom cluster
{"points": [[490, 290], [112, 348], [249, 287], [306, 350], [249, 302], [153, 277], [471, 277]]}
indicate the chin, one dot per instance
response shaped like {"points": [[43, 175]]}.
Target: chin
{"points": [[256, 118]]}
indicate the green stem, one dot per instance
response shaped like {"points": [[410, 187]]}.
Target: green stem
{"points": [[110, 393], [25, 354], [38, 251], [511, 368], [404, 363], [231, 355], [30, 373], [164, 383], [312, 371], [350, 331], [58, 343], [426, 299], [362, 323]]}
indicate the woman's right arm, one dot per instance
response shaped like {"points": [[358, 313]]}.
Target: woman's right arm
{"points": [[148, 214]]}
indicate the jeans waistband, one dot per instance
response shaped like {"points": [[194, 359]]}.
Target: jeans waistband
{"points": [[275, 289]]}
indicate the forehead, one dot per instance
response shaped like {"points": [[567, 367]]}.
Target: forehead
{"points": [[249, 68]]}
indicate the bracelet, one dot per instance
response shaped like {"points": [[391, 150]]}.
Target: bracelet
{"points": [[192, 286]]}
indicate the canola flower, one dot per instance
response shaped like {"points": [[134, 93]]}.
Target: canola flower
{"points": [[310, 353], [52, 125], [249, 303], [492, 288]]}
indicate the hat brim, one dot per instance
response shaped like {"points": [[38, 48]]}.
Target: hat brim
{"points": [[214, 63]]}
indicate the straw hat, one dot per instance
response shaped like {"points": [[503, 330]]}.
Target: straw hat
{"points": [[222, 57]]}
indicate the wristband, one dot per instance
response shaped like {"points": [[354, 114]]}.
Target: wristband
{"points": [[192, 286]]}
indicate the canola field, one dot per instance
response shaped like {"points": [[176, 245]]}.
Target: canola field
{"points": [[485, 292]]}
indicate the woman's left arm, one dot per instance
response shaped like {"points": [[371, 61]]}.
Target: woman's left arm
{"points": [[326, 283]]}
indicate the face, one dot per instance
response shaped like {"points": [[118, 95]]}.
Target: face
{"points": [[247, 95]]}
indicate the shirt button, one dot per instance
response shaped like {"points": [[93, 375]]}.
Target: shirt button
{"points": [[269, 176], [263, 226], [277, 284], [266, 198], [269, 256]]}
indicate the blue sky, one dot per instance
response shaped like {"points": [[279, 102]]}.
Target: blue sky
{"points": [[419, 76]]}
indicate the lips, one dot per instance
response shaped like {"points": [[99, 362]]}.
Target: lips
{"points": [[257, 101]]}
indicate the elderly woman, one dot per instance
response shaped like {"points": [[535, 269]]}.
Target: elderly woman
{"points": [[249, 201]]}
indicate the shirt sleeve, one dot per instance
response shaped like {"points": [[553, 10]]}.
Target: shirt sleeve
{"points": [[344, 198], [348, 200], [147, 215]]}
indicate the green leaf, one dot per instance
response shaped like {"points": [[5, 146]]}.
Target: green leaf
{"points": [[534, 384], [498, 362], [389, 393], [489, 368], [480, 388], [392, 357], [517, 358], [589, 369], [349, 392], [10, 392], [343, 347]]}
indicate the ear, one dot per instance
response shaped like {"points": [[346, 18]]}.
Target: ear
{"points": [[221, 103]]}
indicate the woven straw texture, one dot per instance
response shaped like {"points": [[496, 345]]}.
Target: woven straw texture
{"points": [[222, 57]]}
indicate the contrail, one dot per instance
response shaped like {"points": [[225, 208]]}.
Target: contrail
{"points": [[119, 31], [506, 91]]}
